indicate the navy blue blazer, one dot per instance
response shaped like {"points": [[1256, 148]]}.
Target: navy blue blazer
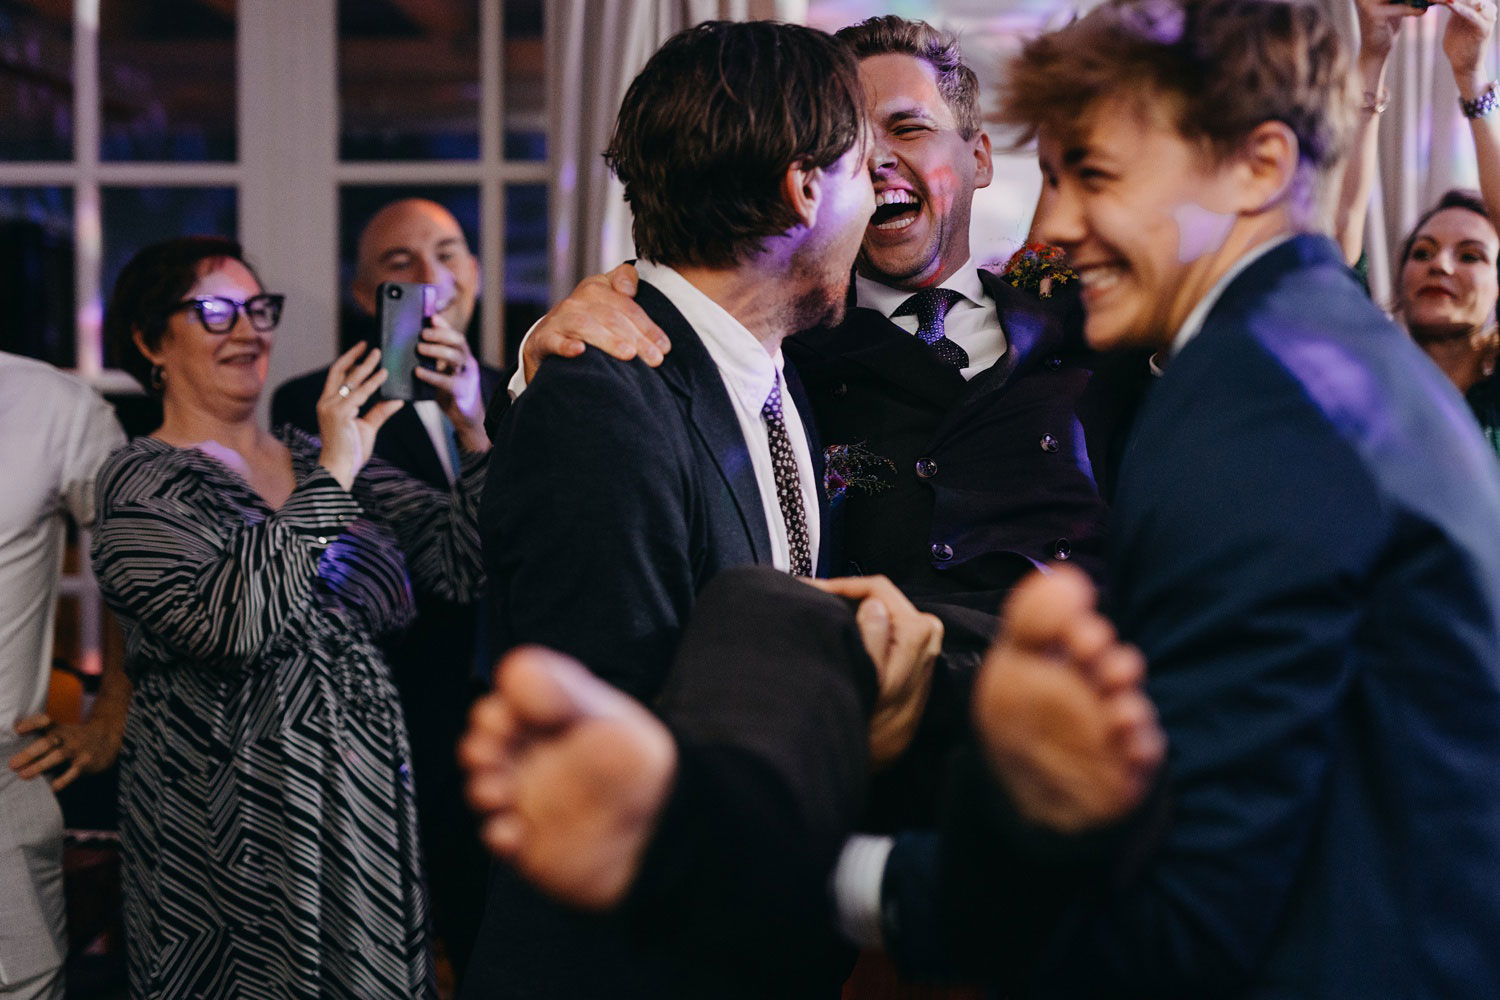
{"points": [[616, 492], [1307, 549]]}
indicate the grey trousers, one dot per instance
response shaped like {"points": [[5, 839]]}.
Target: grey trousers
{"points": [[33, 932]]}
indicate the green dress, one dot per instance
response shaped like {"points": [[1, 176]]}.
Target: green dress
{"points": [[1484, 399]]}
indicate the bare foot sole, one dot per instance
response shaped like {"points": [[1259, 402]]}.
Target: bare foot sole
{"points": [[569, 775]]}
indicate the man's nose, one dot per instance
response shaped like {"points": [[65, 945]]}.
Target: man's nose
{"points": [[1059, 219], [432, 271]]}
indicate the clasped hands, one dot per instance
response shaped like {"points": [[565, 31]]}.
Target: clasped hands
{"points": [[1058, 705]]}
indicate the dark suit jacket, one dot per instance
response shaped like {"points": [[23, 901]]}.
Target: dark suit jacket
{"points": [[987, 478], [616, 492], [1306, 551]]}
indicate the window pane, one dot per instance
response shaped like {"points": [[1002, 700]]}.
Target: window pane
{"points": [[409, 80], [36, 81], [135, 217], [357, 204], [36, 273], [167, 81], [525, 85], [527, 294]]}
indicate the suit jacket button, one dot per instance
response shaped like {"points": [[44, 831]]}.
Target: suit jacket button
{"points": [[942, 552], [926, 468], [841, 390], [1048, 443], [1062, 549], [1055, 361]]}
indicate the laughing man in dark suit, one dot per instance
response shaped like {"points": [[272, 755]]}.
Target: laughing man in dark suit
{"points": [[967, 447]]}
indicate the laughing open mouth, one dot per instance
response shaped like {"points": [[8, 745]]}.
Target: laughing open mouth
{"points": [[895, 209]]}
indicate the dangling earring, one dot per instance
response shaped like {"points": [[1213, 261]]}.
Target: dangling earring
{"points": [[158, 378]]}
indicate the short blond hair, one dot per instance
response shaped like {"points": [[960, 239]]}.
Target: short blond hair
{"points": [[1218, 68]]}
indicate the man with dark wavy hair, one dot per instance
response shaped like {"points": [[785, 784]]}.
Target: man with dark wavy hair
{"points": [[617, 490]]}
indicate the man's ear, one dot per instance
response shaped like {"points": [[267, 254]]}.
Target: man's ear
{"points": [[984, 170], [1266, 167], [802, 187], [364, 293]]}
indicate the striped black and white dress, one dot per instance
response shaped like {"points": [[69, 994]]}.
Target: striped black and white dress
{"points": [[266, 804]]}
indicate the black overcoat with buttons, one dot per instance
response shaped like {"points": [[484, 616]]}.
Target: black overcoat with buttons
{"points": [[987, 478]]}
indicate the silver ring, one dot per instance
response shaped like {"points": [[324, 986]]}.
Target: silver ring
{"points": [[344, 391]]}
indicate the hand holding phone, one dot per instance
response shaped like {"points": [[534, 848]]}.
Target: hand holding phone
{"points": [[402, 310]]}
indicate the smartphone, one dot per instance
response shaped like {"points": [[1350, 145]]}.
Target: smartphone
{"points": [[1419, 4], [402, 311]]}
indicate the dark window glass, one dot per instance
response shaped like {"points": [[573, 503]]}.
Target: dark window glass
{"points": [[408, 80], [36, 274], [167, 80], [527, 293], [525, 86], [36, 81], [357, 203], [136, 217]]}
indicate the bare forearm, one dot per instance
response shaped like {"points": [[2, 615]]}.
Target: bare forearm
{"points": [[1359, 174]]}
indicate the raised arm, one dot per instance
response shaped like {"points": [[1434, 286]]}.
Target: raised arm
{"points": [[201, 588], [1471, 26], [1379, 26]]}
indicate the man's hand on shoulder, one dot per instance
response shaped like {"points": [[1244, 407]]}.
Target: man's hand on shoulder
{"points": [[601, 312]]}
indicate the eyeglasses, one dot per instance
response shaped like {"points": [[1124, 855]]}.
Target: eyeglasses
{"points": [[218, 314]]}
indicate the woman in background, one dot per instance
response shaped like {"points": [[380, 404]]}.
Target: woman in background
{"points": [[1446, 287], [267, 812]]}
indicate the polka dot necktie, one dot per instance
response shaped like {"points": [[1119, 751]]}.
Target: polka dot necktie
{"points": [[788, 486], [931, 306]]}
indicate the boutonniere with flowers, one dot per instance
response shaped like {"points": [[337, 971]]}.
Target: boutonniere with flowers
{"points": [[854, 467], [1038, 267]]}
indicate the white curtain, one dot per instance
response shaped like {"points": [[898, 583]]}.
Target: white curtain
{"points": [[595, 48]]}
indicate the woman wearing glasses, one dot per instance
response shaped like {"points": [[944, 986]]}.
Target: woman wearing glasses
{"points": [[267, 811]]}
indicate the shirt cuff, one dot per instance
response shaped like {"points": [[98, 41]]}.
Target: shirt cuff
{"points": [[517, 383], [319, 509], [856, 888]]}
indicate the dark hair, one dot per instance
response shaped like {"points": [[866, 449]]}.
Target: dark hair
{"points": [[1455, 198], [1224, 66], [708, 129], [878, 36], [150, 287]]}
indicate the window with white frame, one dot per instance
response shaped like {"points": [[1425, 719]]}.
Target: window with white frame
{"points": [[282, 123]]}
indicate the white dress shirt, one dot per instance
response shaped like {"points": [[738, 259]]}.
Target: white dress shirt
{"points": [[972, 323], [55, 432], [430, 412], [748, 371]]}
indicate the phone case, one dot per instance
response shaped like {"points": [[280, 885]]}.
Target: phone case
{"points": [[401, 311]]}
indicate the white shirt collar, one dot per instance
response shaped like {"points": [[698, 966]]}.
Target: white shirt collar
{"points": [[747, 368], [871, 294], [1193, 325]]}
